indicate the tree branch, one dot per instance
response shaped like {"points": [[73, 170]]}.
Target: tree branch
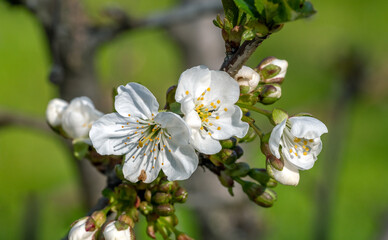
{"points": [[123, 22], [232, 64], [18, 119]]}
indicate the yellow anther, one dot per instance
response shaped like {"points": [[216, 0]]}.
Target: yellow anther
{"points": [[211, 124], [296, 140], [163, 163], [133, 157], [164, 145], [187, 92], [218, 117], [219, 128], [311, 140], [210, 134], [129, 115], [149, 124], [127, 123], [225, 109], [307, 149], [169, 137], [304, 147], [137, 121], [218, 101], [208, 89], [169, 151], [151, 140], [153, 167], [135, 132], [144, 154], [137, 127], [296, 154], [154, 157], [206, 109], [304, 142], [152, 114], [127, 137], [125, 143], [151, 150], [122, 126], [201, 128], [206, 120], [203, 94], [305, 153], [202, 98], [212, 103], [142, 132], [209, 113], [290, 150], [296, 146]]}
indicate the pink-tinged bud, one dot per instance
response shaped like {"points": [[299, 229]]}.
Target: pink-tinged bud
{"points": [[151, 230], [248, 79], [164, 209], [276, 163], [118, 230], [83, 229], [180, 195], [99, 218], [161, 197], [272, 70], [126, 219]]}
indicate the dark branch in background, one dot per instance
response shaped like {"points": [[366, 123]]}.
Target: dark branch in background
{"points": [[175, 16], [232, 64], [22, 120]]}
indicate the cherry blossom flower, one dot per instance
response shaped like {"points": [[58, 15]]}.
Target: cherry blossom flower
{"points": [[80, 232], [78, 117], [111, 232], [54, 111], [150, 140], [297, 141], [207, 99]]}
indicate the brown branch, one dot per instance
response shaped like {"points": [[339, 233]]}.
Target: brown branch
{"points": [[166, 19], [23, 120], [232, 64]]}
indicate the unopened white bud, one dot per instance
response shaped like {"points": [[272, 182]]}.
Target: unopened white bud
{"points": [[82, 230], [247, 77], [273, 70], [54, 111], [78, 118], [117, 230]]}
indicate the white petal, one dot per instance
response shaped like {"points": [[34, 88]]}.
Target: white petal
{"points": [[55, 109], [288, 176], [187, 105], [192, 82], [78, 231], [136, 100], [193, 120], [107, 132], [175, 126], [180, 163], [274, 139], [111, 233], [307, 127], [222, 87], [204, 143], [229, 124], [302, 162], [142, 168]]}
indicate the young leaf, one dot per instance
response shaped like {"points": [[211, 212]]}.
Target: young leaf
{"points": [[231, 11], [247, 6]]}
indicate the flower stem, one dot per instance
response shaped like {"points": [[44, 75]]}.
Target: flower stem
{"points": [[239, 180], [255, 109], [251, 123]]}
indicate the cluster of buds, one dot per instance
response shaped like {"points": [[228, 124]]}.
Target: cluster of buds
{"points": [[263, 83], [225, 164]]}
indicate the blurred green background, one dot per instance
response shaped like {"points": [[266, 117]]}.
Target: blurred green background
{"points": [[33, 163]]}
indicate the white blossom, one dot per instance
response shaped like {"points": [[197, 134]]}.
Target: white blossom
{"points": [[207, 99], [54, 111], [112, 233], [297, 141], [78, 117], [79, 232], [150, 140], [247, 77]]}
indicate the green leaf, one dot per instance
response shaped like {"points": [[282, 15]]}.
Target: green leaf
{"points": [[247, 6], [231, 11], [248, 34], [80, 149], [260, 6]]}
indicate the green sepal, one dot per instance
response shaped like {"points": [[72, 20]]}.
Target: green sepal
{"points": [[80, 149], [278, 116]]}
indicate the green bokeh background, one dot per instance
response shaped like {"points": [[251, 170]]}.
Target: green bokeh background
{"points": [[35, 163]]}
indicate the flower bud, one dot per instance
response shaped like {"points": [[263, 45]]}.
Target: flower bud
{"points": [[160, 198], [147, 195], [78, 117], [99, 218], [227, 156], [83, 229], [260, 195], [241, 169], [151, 230], [54, 111], [165, 209], [228, 143], [168, 186], [183, 236], [226, 180], [239, 151], [272, 70], [261, 176], [118, 230], [180, 195], [145, 208], [248, 79], [270, 93], [276, 163], [126, 219]]}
